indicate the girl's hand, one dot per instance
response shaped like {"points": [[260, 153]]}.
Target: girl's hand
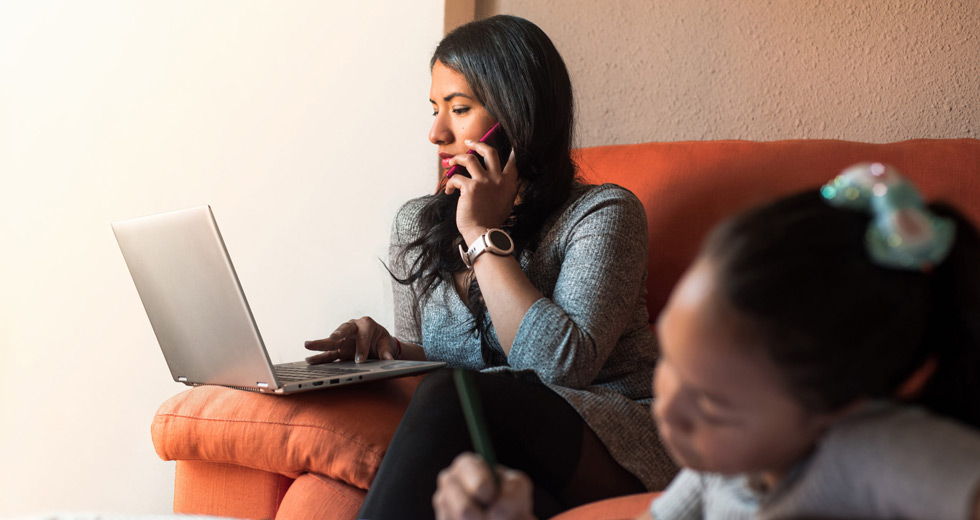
{"points": [[487, 196], [466, 491], [356, 339]]}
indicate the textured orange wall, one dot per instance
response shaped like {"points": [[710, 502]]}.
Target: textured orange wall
{"points": [[878, 71]]}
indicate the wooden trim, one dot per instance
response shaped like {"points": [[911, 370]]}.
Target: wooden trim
{"points": [[458, 12]]}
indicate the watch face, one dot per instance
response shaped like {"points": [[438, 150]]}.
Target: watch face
{"points": [[500, 240]]}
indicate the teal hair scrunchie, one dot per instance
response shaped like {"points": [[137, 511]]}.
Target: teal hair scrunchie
{"points": [[903, 233]]}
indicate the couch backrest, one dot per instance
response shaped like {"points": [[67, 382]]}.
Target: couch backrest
{"points": [[687, 187]]}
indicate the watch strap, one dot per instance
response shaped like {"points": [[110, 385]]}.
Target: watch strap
{"points": [[483, 244]]}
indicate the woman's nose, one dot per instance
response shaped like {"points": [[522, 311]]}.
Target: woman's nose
{"points": [[440, 133]]}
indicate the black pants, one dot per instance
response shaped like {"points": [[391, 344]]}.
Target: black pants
{"points": [[532, 429]]}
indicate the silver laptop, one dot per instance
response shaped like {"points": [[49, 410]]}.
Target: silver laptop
{"points": [[201, 319]]}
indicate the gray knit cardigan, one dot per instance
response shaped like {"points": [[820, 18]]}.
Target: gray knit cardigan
{"points": [[588, 338]]}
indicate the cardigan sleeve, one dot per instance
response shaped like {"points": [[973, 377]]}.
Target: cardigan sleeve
{"points": [[601, 258], [407, 324]]}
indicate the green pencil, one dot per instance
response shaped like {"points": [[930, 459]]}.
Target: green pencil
{"points": [[473, 411]]}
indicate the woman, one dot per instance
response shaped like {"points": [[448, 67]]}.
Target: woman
{"points": [[557, 330]]}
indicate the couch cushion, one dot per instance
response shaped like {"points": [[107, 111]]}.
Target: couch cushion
{"points": [[620, 508], [339, 432], [227, 490], [687, 187], [314, 496]]}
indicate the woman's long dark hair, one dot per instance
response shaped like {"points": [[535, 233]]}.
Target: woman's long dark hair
{"points": [[840, 327], [519, 77]]}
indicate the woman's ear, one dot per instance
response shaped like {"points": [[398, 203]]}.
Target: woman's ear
{"points": [[913, 385]]}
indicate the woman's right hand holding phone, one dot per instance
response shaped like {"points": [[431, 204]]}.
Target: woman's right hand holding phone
{"points": [[487, 196], [360, 340]]}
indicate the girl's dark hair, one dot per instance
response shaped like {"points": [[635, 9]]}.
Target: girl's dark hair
{"points": [[519, 77], [840, 327]]}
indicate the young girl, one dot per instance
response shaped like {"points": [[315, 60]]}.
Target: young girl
{"points": [[819, 359], [556, 330]]}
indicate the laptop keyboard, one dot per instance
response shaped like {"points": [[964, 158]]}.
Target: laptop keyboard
{"points": [[297, 373]]}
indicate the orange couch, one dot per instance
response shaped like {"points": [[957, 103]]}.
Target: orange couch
{"points": [[313, 455]]}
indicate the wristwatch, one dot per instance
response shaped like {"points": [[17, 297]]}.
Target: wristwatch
{"points": [[497, 241]]}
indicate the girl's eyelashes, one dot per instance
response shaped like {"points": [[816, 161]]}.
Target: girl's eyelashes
{"points": [[712, 419], [711, 413]]}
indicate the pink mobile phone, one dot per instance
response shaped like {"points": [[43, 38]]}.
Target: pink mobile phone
{"points": [[494, 137]]}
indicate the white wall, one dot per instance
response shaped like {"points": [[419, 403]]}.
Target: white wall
{"points": [[669, 70], [302, 123]]}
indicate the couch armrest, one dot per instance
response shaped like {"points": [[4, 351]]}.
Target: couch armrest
{"points": [[341, 432]]}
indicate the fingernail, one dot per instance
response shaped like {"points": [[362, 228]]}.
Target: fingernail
{"points": [[358, 358]]}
